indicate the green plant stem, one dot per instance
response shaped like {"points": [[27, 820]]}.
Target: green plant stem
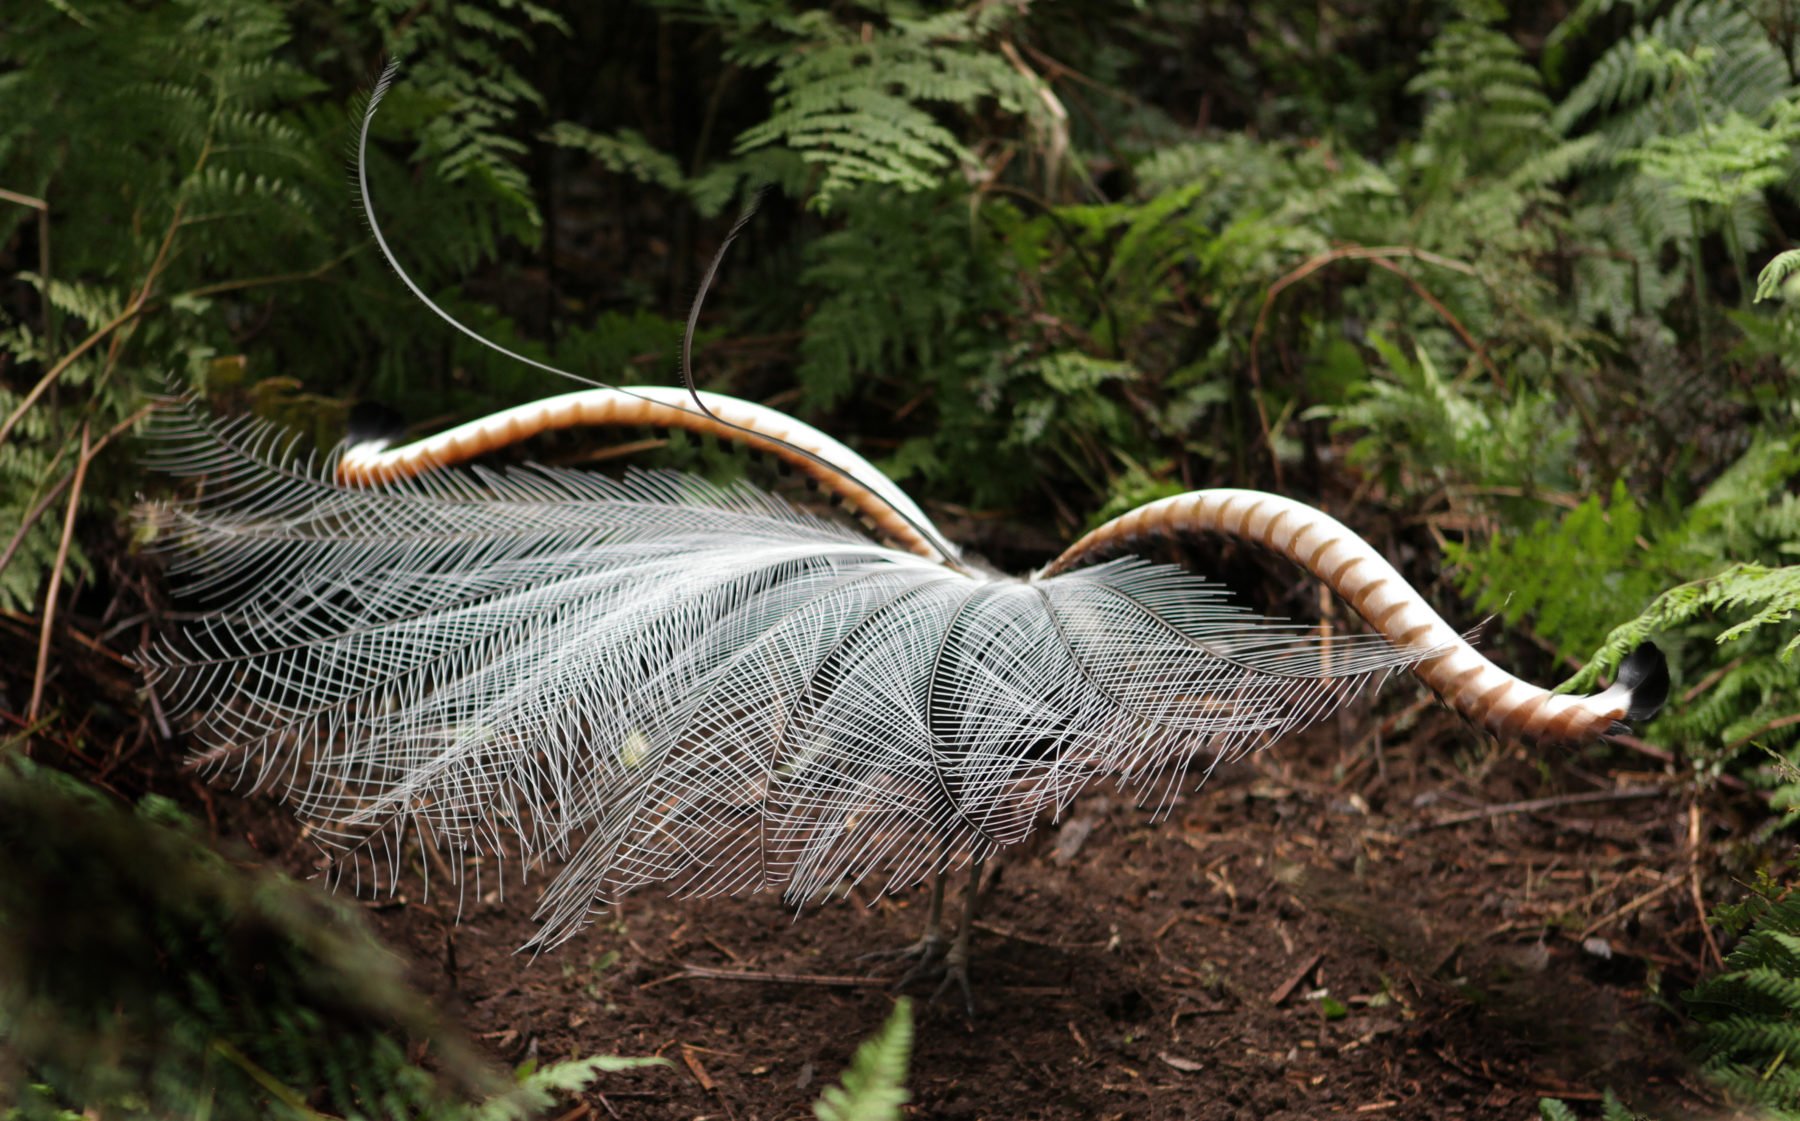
{"points": [[1745, 289], [283, 1094], [1699, 281]]}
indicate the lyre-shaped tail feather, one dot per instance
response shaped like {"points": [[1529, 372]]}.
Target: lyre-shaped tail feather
{"points": [[368, 458], [1468, 682], [669, 682]]}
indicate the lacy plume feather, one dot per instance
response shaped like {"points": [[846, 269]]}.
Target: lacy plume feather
{"points": [[661, 681]]}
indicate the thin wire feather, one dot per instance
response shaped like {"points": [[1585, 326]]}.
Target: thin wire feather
{"points": [[664, 681]]}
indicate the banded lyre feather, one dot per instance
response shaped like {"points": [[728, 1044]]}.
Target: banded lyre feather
{"points": [[834, 467]]}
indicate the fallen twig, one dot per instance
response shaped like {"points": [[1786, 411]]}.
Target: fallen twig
{"points": [[1615, 915], [704, 973], [1694, 834], [1533, 805], [697, 1069], [1048, 944], [1287, 987]]}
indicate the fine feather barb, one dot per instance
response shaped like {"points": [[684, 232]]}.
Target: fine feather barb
{"points": [[663, 681]]}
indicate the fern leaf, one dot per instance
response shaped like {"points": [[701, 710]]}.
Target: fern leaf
{"points": [[1771, 282], [875, 1084]]}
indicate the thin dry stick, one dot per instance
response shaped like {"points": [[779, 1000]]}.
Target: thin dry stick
{"points": [[43, 504], [1636, 904], [62, 558], [1287, 987], [704, 973], [1535, 804], [1376, 253], [1712, 679], [63, 364], [1449, 316], [1773, 725], [23, 200], [31, 518], [1693, 878], [1059, 131]]}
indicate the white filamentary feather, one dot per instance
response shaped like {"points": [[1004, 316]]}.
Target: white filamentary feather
{"points": [[661, 681]]}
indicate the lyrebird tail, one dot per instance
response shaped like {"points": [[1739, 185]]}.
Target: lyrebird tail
{"points": [[663, 681], [1465, 679]]}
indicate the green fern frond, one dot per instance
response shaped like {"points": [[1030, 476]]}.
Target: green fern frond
{"points": [[1551, 1109], [1732, 159], [1773, 593], [540, 1088], [875, 1084], [626, 152], [1773, 279], [1628, 88], [1485, 105], [1748, 1016], [860, 106]]}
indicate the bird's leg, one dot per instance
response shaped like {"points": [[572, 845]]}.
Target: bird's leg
{"points": [[956, 962], [930, 946]]}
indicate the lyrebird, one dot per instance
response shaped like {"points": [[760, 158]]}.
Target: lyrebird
{"points": [[661, 681]]}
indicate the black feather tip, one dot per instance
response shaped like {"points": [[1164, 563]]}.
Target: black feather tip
{"points": [[373, 423], [1646, 673]]}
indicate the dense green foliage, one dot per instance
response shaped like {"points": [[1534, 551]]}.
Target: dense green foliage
{"points": [[1749, 1016], [1516, 294], [206, 180]]}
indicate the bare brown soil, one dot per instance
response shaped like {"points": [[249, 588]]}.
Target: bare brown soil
{"points": [[1131, 968], [1333, 928]]}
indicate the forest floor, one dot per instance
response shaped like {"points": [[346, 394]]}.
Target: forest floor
{"points": [[1431, 927]]}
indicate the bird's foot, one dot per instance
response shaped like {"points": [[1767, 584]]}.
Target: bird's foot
{"points": [[956, 972], [924, 953], [933, 963]]}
